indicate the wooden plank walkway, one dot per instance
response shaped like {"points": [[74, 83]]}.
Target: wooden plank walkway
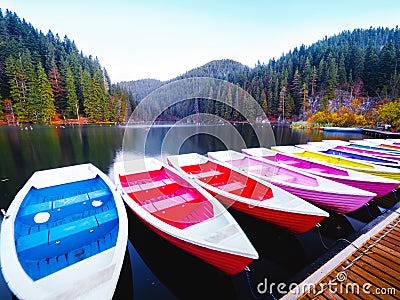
{"points": [[369, 268], [381, 133]]}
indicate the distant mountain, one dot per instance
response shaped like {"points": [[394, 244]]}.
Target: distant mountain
{"points": [[226, 69], [356, 69], [140, 88]]}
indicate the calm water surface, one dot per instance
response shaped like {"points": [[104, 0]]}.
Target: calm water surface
{"points": [[153, 268]]}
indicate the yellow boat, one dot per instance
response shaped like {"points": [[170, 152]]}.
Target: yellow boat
{"points": [[348, 163]]}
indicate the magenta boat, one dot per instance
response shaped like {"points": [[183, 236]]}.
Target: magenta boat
{"points": [[317, 190], [375, 184]]}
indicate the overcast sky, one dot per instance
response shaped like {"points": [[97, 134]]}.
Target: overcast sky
{"points": [[162, 39]]}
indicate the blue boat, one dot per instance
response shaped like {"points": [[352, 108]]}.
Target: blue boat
{"points": [[342, 129], [64, 235]]}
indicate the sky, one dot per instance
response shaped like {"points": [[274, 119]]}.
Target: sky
{"points": [[162, 39]]}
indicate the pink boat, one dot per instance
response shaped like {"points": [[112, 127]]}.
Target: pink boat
{"points": [[375, 184], [317, 190]]}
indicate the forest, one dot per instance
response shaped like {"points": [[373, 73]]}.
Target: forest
{"points": [[45, 79], [349, 79]]}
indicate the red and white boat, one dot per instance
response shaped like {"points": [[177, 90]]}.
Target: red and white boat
{"points": [[325, 193], [179, 210], [250, 194]]}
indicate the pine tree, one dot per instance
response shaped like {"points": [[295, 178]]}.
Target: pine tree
{"points": [[282, 104], [58, 90], [45, 94], [72, 105], [105, 111], [91, 110]]}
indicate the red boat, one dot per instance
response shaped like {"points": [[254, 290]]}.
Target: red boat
{"points": [[182, 212], [250, 194]]}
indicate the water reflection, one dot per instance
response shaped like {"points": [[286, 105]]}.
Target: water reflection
{"points": [[155, 268]]}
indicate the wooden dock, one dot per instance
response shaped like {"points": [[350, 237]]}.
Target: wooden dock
{"points": [[381, 133], [369, 268]]}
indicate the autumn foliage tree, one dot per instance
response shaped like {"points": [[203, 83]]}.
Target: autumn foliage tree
{"points": [[389, 113]]}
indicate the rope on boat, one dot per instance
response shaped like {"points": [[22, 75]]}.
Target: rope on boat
{"points": [[320, 237], [369, 212], [255, 296], [395, 194]]}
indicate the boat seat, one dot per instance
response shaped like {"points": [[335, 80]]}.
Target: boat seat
{"points": [[173, 208], [31, 245], [231, 187], [61, 238], [29, 212], [201, 212], [292, 163], [187, 214], [61, 208], [318, 170], [62, 204], [284, 177], [210, 173], [152, 189], [102, 195]]}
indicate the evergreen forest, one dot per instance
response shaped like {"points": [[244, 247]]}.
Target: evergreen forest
{"points": [[45, 79], [349, 79]]}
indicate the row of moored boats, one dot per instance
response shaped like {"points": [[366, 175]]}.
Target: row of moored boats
{"points": [[65, 233]]}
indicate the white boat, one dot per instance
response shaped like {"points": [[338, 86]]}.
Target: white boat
{"points": [[348, 163], [374, 184], [250, 194], [332, 150], [179, 210], [325, 193], [343, 129], [64, 236]]}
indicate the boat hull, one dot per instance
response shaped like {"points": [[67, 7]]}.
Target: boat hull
{"points": [[201, 226], [338, 202], [228, 263], [294, 223], [379, 188], [342, 129]]}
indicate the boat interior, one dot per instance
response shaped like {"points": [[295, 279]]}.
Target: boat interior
{"points": [[167, 197], [304, 164], [273, 172], [228, 180], [61, 225]]}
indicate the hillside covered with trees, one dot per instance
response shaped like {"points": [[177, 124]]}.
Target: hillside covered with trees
{"points": [[351, 78], [354, 73], [45, 79]]}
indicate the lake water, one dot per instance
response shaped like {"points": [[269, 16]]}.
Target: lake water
{"points": [[155, 269]]}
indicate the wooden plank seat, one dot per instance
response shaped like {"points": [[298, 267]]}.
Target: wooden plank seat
{"points": [[284, 177], [175, 210], [210, 173], [232, 187], [152, 189], [45, 266], [60, 239], [292, 163], [61, 208], [319, 170]]}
